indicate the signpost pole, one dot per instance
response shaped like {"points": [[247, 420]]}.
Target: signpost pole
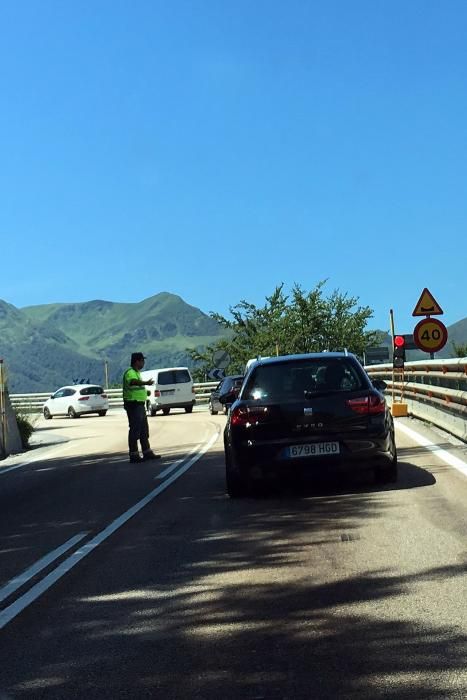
{"points": [[391, 321]]}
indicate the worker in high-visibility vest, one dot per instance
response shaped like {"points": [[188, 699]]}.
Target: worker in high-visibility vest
{"points": [[134, 402]]}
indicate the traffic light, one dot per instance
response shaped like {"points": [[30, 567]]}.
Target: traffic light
{"points": [[398, 357]]}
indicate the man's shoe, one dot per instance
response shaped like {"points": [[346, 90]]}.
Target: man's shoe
{"points": [[150, 455], [136, 459]]}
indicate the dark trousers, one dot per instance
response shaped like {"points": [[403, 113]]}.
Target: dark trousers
{"points": [[138, 424]]}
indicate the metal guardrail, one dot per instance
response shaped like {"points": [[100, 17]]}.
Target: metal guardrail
{"points": [[434, 390], [32, 403]]}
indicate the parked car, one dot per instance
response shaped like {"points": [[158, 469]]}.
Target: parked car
{"points": [[229, 388], [172, 388], [76, 400], [312, 413]]}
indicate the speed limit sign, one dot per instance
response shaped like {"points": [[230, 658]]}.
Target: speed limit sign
{"points": [[430, 335]]}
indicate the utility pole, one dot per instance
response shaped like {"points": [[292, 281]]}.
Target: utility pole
{"points": [[106, 374], [2, 411]]}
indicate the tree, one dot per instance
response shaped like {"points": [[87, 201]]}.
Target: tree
{"points": [[307, 322], [460, 350]]}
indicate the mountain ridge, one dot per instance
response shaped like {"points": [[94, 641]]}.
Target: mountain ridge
{"points": [[47, 345]]}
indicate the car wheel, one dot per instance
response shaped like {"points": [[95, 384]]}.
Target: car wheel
{"points": [[47, 414], [235, 485], [211, 410], [188, 409], [102, 413], [389, 473], [72, 413], [225, 409], [166, 411]]}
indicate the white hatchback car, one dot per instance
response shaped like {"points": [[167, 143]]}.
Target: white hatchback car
{"points": [[76, 400]]}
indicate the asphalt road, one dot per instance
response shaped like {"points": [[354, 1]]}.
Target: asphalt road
{"points": [[146, 581]]}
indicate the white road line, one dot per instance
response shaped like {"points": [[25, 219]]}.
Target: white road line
{"points": [[10, 612], [444, 455], [172, 466], [40, 564], [169, 469]]}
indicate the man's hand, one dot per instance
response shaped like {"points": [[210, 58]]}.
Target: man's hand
{"points": [[149, 382]]}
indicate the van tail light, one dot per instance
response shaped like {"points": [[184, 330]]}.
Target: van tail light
{"points": [[103, 396], [254, 415], [368, 405], [193, 390], [157, 393], [83, 398]]}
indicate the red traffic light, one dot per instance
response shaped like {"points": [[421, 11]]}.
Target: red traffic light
{"points": [[399, 341]]}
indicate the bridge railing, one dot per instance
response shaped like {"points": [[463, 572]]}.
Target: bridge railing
{"points": [[33, 403], [434, 390]]}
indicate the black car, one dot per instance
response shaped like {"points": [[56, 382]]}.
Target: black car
{"points": [[229, 388], [312, 413]]}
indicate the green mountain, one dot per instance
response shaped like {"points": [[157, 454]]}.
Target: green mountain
{"points": [[49, 345], [457, 333]]}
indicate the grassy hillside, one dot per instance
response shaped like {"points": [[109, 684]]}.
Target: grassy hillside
{"points": [[457, 333], [48, 345]]}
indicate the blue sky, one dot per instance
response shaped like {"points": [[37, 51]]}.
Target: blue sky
{"points": [[215, 149]]}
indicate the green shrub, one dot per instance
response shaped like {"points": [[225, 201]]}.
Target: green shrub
{"points": [[25, 428]]}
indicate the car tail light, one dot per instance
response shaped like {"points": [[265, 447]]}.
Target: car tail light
{"points": [[371, 404], [157, 393], [83, 398], [254, 415]]}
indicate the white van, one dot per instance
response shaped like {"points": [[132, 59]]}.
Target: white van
{"points": [[172, 388]]}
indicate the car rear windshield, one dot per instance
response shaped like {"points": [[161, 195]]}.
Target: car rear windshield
{"points": [[91, 390], [174, 376], [231, 383], [295, 380]]}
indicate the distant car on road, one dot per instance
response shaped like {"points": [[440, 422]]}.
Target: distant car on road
{"points": [[229, 385], [172, 388], [76, 400], [312, 413]]}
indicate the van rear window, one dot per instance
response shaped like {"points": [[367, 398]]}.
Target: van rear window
{"points": [[174, 376]]}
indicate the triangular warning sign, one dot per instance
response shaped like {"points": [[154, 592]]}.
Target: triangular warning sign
{"points": [[427, 305]]}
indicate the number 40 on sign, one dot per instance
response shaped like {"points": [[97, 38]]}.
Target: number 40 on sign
{"points": [[430, 335]]}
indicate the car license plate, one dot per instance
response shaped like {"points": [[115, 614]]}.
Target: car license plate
{"points": [[168, 392], [314, 449]]}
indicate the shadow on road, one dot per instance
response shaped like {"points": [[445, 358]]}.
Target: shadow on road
{"points": [[196, 600]]}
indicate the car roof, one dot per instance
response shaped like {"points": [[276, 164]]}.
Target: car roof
{"points": [[283, 359]]}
